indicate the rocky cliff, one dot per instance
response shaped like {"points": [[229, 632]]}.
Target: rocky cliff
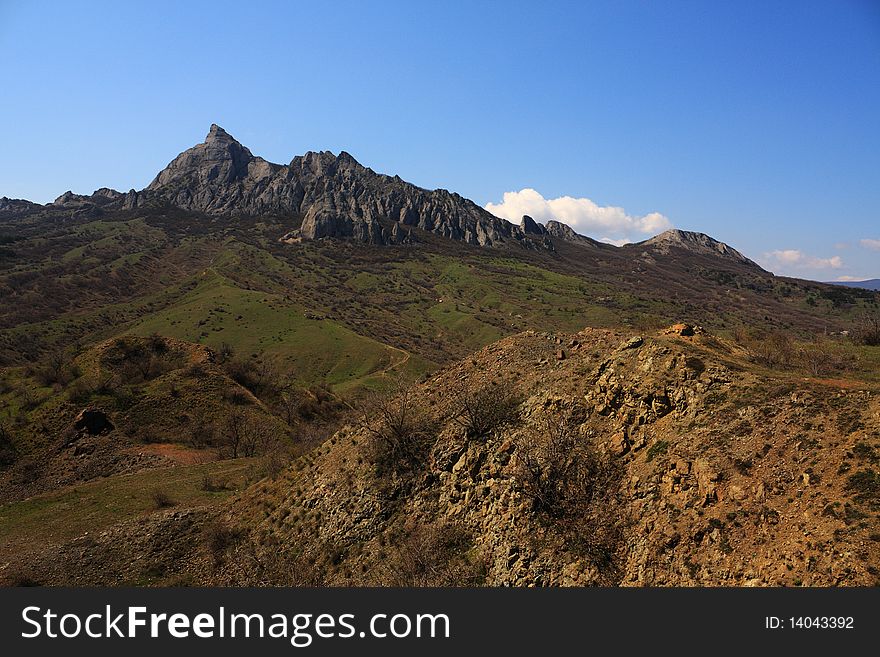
{"points": [[335, 195]]}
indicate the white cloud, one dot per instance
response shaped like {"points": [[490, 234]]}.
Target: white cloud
{"points": [[619, 242], [844, 279], [795, 259], [582, 214], [874, 245]]}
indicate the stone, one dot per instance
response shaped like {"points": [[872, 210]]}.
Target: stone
{"points": [[680, 329], [619, 444], [531, 227], [737, 493], [92, 421], [632, 343], [707, 478]]}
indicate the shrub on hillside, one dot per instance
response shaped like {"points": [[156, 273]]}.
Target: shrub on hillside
{"points": [[56, 370], [401, 434], [434, 555], [772, 349], [241, 436], [7, 449], [823, 357], [574, 487], [135, 360], [482, 410], [260, 378], [219, 537], [162, 500], [867, 330]]}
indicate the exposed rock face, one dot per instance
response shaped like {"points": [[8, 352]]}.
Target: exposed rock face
{"points": [[532, 227], [562, 231], [695, 243], [100, 197], [16, 205], [220, 176], [337, 196]]}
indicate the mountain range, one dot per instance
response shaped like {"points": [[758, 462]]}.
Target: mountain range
{"points": [[337, 197], [870, 284]]}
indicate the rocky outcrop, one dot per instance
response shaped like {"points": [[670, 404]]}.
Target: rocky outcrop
{"points": [[16, 205], [92, 421], [562, 231], [665, 243], [335, 195], [703, 483], [531, 227]]}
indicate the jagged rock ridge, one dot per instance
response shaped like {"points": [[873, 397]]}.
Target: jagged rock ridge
{"points": [[336, 196]]}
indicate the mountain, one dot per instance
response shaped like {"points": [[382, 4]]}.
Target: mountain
{"points": [[683, 240], [331, 196], [870, 284], [335, 195]]}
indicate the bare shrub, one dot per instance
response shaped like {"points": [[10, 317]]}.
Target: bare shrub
{"points": [[275, 460], [137, 359], [574, 487], [225, 352], [56, 370], [202, 435], [241, 436], [258, 377], [823, 357], [148, 434], [401, 433], [482, 410], [867, 330], [80, 392], [211, 485], [237, 397], [162, 500], [219, 537], [772, 349], [434, 555], [265, 562]]}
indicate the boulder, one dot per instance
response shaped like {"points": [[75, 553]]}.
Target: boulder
{"points": [[531, 227], [680, 329], [92, 421]]}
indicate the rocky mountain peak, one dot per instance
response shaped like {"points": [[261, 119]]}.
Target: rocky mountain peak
{"points": [[565, 232], [216, 133], [695, 243], [219, 161], [531, 227]]}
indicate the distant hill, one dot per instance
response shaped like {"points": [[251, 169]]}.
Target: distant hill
{"points": [[870, 284]]}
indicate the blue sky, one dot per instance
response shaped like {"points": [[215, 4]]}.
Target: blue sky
{"points": [[755, 122]]}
